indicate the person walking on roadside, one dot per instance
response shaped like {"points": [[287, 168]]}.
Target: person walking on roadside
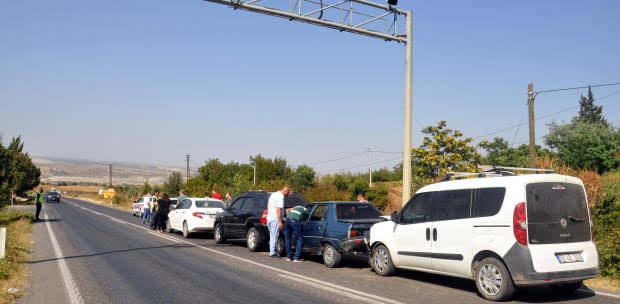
{"points": [[162, 213], [216, 195], [39, 200], [274, 218], [361, 197], [146, 208], [229, 199], [294, 219]]}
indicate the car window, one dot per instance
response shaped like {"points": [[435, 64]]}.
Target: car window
{"points": [[357, 211], [185, 204], [318, 213], [238, 203], [489, 201], [209, 204], [140, 200], [453, 204], [418, 210]]}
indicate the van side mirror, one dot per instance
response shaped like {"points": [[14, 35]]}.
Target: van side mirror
{"points": [[394, 217]]}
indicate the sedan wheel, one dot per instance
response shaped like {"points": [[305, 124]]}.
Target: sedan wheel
{"points": [[185, 230], [331, 256], [168, 228]]}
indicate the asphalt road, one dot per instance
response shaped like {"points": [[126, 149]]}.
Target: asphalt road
{"points": [[88, 253]]}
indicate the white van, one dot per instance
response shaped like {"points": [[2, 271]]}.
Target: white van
{"points": [[500, 231]]}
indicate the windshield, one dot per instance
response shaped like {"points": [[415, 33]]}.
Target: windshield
{"points": [[209, 204], [357, 211]]}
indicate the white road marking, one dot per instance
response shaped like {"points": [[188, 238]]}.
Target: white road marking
{"points": [[70, 287], [334, 288], [600, 293]]}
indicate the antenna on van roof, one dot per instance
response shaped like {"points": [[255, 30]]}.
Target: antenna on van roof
{"points": [[492, 171]]}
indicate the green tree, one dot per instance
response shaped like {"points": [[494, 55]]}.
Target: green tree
{"points": [[594, 146], [174, 183], [270, 169], [588, 112], [499, 153], [17, 171], [146, 188], [443, 150], [303, 176]]}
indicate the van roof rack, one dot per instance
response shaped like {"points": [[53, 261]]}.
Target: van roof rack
{"points": [[492, 171]]}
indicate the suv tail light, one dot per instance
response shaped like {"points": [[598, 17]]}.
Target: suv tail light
{"points": [[263, 218], [354, 233], [519, 224], [198, 214]]}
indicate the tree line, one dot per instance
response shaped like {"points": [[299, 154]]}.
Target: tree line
{"points": [[17, 172]]}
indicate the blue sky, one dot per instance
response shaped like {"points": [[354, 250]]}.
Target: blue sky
{"points": [[150, 81]]}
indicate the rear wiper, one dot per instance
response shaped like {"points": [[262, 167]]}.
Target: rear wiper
{"points": [[575, 219]]}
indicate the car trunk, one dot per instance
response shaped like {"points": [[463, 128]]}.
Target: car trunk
{"points": [[558, 226]]}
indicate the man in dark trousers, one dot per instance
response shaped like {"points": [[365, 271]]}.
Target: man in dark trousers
{"points": [[39, 199], [162, 213]]}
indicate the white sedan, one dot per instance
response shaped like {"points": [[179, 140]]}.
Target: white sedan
{"points": [[194, 215]]}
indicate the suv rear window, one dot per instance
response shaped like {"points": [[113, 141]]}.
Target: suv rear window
{"points": [[557, 213], [357, 211]]}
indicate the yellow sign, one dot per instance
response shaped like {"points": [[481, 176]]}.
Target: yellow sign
{"points": [[110, 193]]}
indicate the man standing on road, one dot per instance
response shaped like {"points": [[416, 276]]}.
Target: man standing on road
{"points": [[361, 197], [216, 195], [162, 213], [274, 218], [38, 199], [146, 208], [294, 220], [181, 196], [229, 199]]}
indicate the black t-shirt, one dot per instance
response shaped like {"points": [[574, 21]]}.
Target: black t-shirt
{"points": [[164, 205]]}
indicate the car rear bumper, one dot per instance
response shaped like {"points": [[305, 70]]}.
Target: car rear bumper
{"points": [[354, 246]]}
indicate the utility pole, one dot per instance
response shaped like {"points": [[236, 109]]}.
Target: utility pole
{"points": [[362, 17], [530, 108], [110, 180], [370, 168], [187, 171], [254, 165]]}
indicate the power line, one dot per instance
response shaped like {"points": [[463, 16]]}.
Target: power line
{"points": [[577, 88], [364, 165], [336, 159]]}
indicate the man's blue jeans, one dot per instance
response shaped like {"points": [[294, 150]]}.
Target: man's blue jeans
{"points": [[274, 228], [289, 228], [146, 215]]}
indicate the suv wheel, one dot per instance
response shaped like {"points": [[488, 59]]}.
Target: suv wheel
{"points": [[253, 239], [218, 234], [566, 289], [493, 280], [331, 256], [381, 261], [185, 230]]}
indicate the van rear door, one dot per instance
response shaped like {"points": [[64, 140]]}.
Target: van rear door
{"points": [[559, 227]]}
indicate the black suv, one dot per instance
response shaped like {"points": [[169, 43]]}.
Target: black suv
{"points": [[53, 197], [246, 218]]}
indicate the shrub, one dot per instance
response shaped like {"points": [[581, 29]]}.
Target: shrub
{"points": [[606, 218]]}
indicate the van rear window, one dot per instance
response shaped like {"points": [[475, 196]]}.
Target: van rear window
{"points": [[557, 213]]}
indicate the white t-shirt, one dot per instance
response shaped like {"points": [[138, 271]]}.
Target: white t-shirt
{"points": [[276, 200], [147, 202]]}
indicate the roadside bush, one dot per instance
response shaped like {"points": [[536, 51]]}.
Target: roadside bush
{"points": [[606, 218], [11, 215]]}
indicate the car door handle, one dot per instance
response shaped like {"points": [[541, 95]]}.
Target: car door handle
{"points": [[434, 234], [428, 234]]}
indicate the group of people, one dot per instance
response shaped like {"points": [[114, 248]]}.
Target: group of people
{"points": [[155, 211]]}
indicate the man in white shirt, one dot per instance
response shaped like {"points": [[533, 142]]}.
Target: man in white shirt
{"points": [[146, 208], [274, 218]]}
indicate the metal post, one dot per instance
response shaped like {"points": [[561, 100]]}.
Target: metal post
{"points": [[370, 168], [187, 171], [254, 173], [110, 181], [2, 242], [530, 108], [408, 101]]}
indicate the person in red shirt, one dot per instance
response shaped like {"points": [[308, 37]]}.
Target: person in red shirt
{"points": [[216, 195]]}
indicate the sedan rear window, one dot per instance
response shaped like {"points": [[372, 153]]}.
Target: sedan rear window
{"points": [[209, 204], [357, 211]]}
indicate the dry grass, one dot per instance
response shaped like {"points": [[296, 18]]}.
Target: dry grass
{"points": [[604, 283], [591, 179], [13, 271]]}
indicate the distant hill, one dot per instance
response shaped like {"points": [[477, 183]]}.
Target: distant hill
{"points": [[85, 171]]}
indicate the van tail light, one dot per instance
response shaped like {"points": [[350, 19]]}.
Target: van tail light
{"points": [[354, 233], [263, 218], [519, 224], [198, 214]]}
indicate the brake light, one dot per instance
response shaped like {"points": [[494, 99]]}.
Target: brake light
{"points": [[354, 233], [198, 214], [519, 224], [263, 218]]}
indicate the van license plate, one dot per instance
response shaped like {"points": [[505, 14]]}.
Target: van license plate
{"points": [[569, 258]]}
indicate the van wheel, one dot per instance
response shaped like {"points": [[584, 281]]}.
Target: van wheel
{"points": [[253, 240], [493, 280], [331, 256], [280, 248], [381, 261], [185, 230], [218, 234], [566, 289]]}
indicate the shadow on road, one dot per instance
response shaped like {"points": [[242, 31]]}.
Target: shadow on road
{"points": [[43, 220], [113, 252]]}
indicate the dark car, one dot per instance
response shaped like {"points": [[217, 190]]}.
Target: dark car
{"points": [[53, 196], [334, 229], [242, 219]]}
